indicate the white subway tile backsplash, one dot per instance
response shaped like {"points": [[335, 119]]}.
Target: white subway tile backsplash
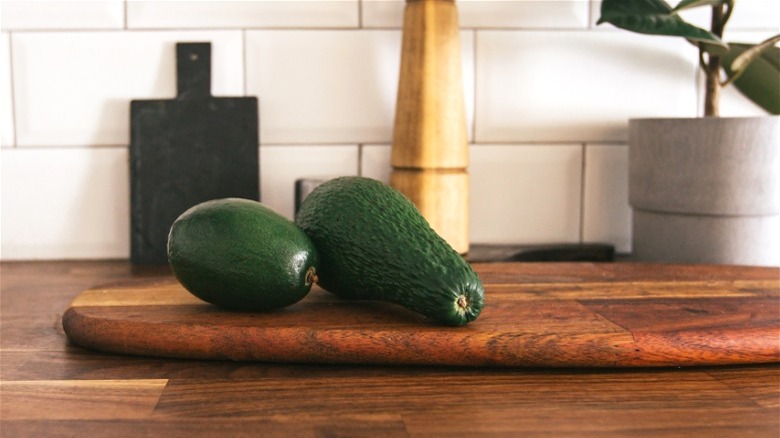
{"points": [[6, 93], [548, 98], [375, 162], [331, 86], [570, 86], [326, 86], [519, 193], [242, 14], [382, 13], [64, 203], [754, 15], [281, 166], [529, 14], [75, 88], [62, 14], [526, 194], [747, 15], [606, 214]]}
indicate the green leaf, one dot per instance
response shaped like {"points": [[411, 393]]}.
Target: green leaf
{"points": [[759, 80], [713, 48], [746, 57], [653, 17]]}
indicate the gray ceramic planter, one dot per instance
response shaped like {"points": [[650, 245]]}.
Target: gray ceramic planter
{"points": [[706, 190]]}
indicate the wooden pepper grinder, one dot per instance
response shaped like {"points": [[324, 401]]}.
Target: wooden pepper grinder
{"points": [[430, 139]]}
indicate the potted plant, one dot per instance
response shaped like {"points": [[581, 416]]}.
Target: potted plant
{"points": [[706, 189]]}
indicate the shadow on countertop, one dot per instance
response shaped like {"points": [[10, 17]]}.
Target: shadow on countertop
{"points": [[564, 252]]}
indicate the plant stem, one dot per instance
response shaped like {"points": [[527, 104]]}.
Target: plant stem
{"points": [[711, 67]]}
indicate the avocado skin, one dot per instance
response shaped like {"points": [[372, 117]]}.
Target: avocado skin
{"points": [[374, 244], [241, 255]]}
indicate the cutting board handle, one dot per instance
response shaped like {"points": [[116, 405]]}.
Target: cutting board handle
{"points": [[193, 70]]}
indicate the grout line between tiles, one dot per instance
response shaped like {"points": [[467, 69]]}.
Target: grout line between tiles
{"points": [[320, 144], [69, 147], [15, 139], [474, 88], [519, 143], [360, 159], [320, 28], [698, 83], [583, 163], [591, 5], [550, 143], [360, 14], [124, 18], [244, 62]]}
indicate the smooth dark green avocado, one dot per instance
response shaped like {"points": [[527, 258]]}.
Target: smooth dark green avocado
{"points": [[374, 244], [241, 255]]}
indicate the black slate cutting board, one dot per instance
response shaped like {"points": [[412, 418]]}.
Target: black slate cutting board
{"points": [[187, 150]]}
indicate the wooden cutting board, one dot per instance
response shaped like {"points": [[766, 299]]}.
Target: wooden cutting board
{"points": [[552, 314]]}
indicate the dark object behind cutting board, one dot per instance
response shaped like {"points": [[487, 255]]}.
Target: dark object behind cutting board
{"points": [[187, 150]]}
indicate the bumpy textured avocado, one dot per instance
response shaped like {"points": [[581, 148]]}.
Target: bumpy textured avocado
{"points": [[241, 255], [374, 244]]}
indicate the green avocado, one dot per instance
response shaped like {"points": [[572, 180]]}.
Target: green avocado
{"points": [[374, 244], [241, 255]]}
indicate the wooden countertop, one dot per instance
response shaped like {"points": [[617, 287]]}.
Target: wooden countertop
{"points": [[50, 387]]}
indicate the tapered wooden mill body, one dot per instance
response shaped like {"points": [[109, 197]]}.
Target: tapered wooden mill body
{"points": [[430, 140]]}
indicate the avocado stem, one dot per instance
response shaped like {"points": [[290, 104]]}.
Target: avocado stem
{"points": [[311, 276]]}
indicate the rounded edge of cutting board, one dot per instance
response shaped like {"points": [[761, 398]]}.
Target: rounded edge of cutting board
{"points": [[157, 317]]}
